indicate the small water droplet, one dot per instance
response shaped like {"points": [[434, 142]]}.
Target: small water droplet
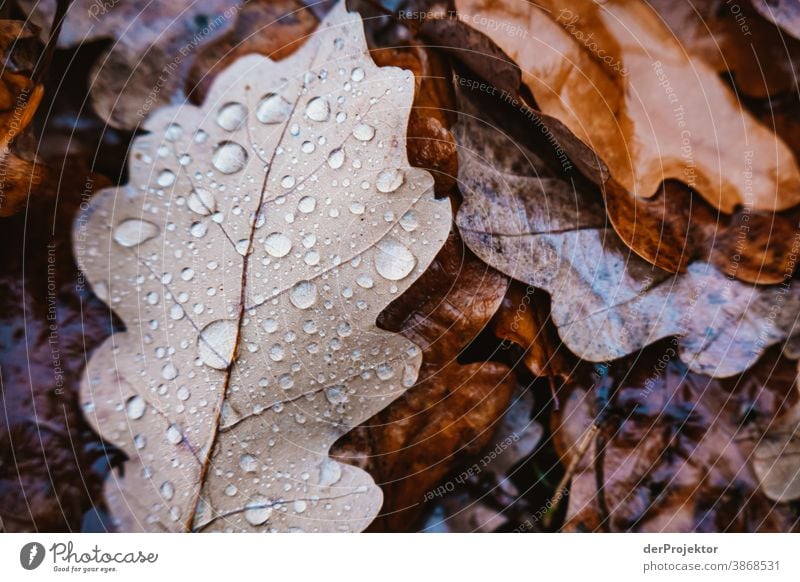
{"points": [[299, 506], [335, 394], [133, 232], [173, 132], [384, 371], [287, 181], [258, 510], [216, 343], [277, 244], [336, 158], [229, 157], [231, 490], [242, 246], [273, 109], [409, 221], [174, 435], [276, 352], [286, 381], [363, 132], [198, 229], [166, 178], [231, 116], [311, 258], [357, 74], [393, 260], [365, 281], [201, 202], [167, 490], [318, 109], [307, 147], [248, 463], [357, 208], [389, 180], [330, 472], [135, 407], [303, 295], [307, 204], [270, 325]]}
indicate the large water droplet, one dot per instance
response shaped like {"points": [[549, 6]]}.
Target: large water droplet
{"points": [[169, 371], [330, 472], [133, 232], [273, 109], [393, 260], [135, 407], [229, 157], [248, 463], [389, 180], [202, 202], [318, 109], [357, 74], [258, 510], [288, 181], [231, 116], [278, 244], [335, 394], [409, 221], [166, 178], [198, 229], [216, 343], [303, 295], [363, 132]]}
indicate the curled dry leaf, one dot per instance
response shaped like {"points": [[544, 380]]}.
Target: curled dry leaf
{"points": [[453, 410], [674, 448], [617, 77], [606, 302], [258, 239]]}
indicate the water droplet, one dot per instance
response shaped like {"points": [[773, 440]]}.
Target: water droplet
{"points": [[336, 158], [139, 441], [278, 244], [270, 325], [311, 258], [176, 312], [133, 232], [183, 394], [335, 394], [287, 181], [242, 246], [173, 132], [135, 407], [299, 506], [365, 281], [187, 274], [307, 204], [166, 178], [286, 381], [231, 490], [202, 202], [273, 109], [248, 463], [276, 352], [363, 132], [330, 472], [318, 109], [167, 490], [357, 208], [185, 159], [389, 180], [216, 343], [229, 157], [357, 74], [169, 371], [198, 229], [231, 116], [307, 147], [303, 295], [384, 371], [338, 43], [174, 435], [393, 260], [258, 510], [409, 221]]}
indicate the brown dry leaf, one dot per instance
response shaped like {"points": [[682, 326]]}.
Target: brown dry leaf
{"points": [[650, 112], [784, 13], [735, 38], [51, 464], [524, 319], [258, 240], [19, 98], [453, 410], [606, 301], [674, 448], [430, 144], [273, 28]]}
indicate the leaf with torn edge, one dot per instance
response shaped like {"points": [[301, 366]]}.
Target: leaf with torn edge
{"points": [[606, 301], [249, 256]]}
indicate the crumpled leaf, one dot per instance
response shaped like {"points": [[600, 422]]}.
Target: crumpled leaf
{"points": [[675, 448], [452, 411], [776, 457], [784, 13], [258, 239], [635, 101], [606, 302]]}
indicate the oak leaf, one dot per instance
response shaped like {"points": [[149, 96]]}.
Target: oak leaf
{"points": [[249, 256]]}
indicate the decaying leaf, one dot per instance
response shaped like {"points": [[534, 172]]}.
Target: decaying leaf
{"points": [[672, 453], [454, 409], [257, 241], [606, 302], [776, 457]]}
